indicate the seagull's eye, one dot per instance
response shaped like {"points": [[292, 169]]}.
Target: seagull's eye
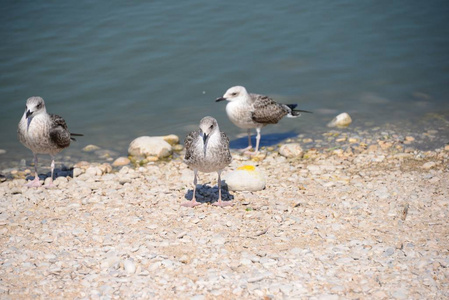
{"points": [[39, 106], [211, 126], [234, 94]]}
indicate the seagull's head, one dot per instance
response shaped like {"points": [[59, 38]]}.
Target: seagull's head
{"points": [[235, 93], [208, 126], [34, 106]]}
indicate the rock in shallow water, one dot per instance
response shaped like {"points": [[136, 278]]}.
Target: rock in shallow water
{"points": [[341, 121], [245, 178], [91, 148], [150, 146]]}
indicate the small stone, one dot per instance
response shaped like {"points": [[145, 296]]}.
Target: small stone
{"points": [[291, 150], [93, 171], [389, 251], [91, 148], [129, 266], [150, 146], [105, 168], [341, 121], [82, 164], [409, 139], [429, 165], [77, 172], [385, 145], [2, 151], [121, 161], [446, 148], [245, 178]]}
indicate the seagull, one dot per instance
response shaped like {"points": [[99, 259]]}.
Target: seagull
{"points": [[207, 150], [249, 111], [43, 133]]}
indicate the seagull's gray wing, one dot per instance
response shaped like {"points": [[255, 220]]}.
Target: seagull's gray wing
{"points": [[225, 149], [266, 110], [189, 144], [59, 134]]}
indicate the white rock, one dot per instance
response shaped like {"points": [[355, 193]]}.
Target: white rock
{"points": [[150, 146], [90, 148], [129, 266], [429, 165], [245, 178], [121, 161], [291, 150], [342, 120]]}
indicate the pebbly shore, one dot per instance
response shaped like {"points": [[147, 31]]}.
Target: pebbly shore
{"points": [[361, 218]]}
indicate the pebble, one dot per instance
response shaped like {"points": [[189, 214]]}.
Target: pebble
{"points": [[121, 161], [341, 121], [245, 178], [291, 150], [429, 165], [129, 266], [91, 148]]}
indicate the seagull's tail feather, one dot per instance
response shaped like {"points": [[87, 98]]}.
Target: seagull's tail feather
{"points": [[75, 134], [295, 112]]}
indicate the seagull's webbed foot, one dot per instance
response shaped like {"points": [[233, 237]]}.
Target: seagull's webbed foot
{"points": [[51, 185], [251, 153], [192, 203], [244, 150], [34, 183], [223, 203]]}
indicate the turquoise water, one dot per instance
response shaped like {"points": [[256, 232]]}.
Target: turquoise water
{"points": [[118, 70]]}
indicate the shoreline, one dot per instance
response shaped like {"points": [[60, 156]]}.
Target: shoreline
{"points": [[365, 219]]}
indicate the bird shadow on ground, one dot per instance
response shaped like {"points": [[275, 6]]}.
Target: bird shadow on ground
{"points": [[62, 172], [208, 194], [265, 141]]}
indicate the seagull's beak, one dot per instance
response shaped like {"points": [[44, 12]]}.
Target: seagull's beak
{"points": [[28, 113], [205, 140], [28, 120], [220, 99]]}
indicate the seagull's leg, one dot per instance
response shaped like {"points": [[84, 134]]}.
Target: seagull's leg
{"points": [[257, 145], [50, 185], [257, 140], [35, 182], [220, 202], [192, 203], [250, 146]]}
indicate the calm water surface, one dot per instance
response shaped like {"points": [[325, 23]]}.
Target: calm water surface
{"points": [[118, 70]]}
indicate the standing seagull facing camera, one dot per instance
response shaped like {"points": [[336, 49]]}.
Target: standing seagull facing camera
{"points": [[43, 133], [249, 111], [207, 150]]}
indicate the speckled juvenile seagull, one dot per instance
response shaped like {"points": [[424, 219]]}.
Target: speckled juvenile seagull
{"points": [[255, 111], [207, 150], [43, 133]]}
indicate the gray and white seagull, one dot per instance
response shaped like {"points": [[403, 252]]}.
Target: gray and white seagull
{"points": [[249, 111], [43, 133], [207, 150]]}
